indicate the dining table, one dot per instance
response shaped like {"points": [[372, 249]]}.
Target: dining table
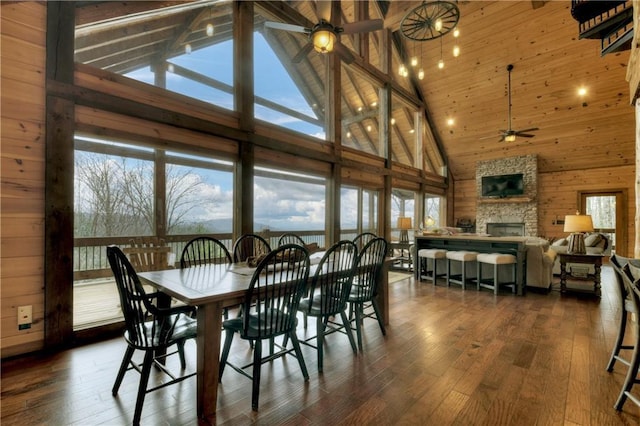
{"points": [[211, 288]]}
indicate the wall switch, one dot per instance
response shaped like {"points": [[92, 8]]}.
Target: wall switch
{"points": [[24, 317]]}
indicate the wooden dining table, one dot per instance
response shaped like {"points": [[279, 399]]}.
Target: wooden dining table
{"points": [[212, 288]]}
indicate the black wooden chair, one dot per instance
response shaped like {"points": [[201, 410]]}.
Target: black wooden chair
{"points": [[204, 250], [269, 310], [362, 239], [631, 378], [148, 328], [328, 293], [626, 307], [364, 288], [290, 238], [249, 246]]}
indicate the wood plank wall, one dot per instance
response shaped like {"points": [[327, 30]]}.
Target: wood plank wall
{"points": [[22, 59], [558, 196]]}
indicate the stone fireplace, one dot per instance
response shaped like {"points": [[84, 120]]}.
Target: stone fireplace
{"points": [[510, 212]]}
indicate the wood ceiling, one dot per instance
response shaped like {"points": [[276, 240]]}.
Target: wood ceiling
{"points": [[550, 63], [540, 38]]}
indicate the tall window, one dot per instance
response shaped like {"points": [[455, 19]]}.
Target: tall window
{"points": [[358, 211], [402, 206]]}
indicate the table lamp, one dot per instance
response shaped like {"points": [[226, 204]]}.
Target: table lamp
{"points": [[577, 224], [429, 222], [404, 224]]}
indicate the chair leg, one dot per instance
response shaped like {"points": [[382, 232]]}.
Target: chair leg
{"points": [[320, 340], [374, 302], [358, 312], [632, 373], [123, 369], [257, 364], [298, 351], [478, 275], [183, 361], [618, 345], [347, 329], [225, 352], [142, 388], [496, 284]]}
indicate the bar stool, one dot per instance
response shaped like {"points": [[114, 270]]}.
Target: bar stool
{"points": [[496, 259], [423, 258], [465, 258]]}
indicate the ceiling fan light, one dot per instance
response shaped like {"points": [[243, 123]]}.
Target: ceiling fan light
{"points": [[323, 41], [510, 138]]}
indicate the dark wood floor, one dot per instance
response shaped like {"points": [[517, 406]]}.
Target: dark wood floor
{"points": [[449, 357]]}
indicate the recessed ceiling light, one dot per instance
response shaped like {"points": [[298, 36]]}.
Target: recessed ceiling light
{"points": [[582, 91], [450, 121]]}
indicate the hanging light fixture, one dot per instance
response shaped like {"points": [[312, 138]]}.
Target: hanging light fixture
{"points": [[323, 38], [428, 21]]}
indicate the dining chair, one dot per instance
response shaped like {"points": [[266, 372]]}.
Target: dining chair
{"points": [[364, 287], [249, 246], [631, 378], [269, 310], [149, 328], [328, 293], [363, 238], [204, 250], [290, 238]]}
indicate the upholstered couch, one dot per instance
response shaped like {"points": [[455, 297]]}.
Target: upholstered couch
{"points": [[595, 243]]}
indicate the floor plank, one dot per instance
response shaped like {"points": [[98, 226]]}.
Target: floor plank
{"points": [[450, 357]]}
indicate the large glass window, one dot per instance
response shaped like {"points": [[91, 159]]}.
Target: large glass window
{"points": [[403, 131], [289, 202], [360, 112], [402, 207], [358, 211]]}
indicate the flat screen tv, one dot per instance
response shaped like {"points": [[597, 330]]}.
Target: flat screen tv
{"points": [[502, 185]]}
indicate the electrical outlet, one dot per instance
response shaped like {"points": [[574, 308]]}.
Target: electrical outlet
{"points": [[24, 317]]}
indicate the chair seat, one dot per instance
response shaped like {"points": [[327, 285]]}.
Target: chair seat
{"points": [[432, 253], [462, 256], [496, 258], [315, 307], [184, 327], [259, 325]]}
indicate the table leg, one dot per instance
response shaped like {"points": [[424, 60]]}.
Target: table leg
{"points": [[596, 284], [383, 291], [208, 350], [563, 276]]}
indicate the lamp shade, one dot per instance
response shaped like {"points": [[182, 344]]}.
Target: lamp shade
{"points": [[404, 222], [578, 223]]}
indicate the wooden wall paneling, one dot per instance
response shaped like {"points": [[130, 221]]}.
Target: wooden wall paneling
{"points": [[633, 70], [22, 112]]}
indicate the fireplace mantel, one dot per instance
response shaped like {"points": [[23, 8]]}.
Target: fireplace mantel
{"points": [[506, 200]]}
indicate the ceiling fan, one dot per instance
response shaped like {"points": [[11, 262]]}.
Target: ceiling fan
{"points": [[324, 36], [509, 135]]}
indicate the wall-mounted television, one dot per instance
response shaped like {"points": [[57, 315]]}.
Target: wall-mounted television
{"points": [[502, 185]]}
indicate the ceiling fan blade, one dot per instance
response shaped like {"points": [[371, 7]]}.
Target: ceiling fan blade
{"points": [[346, 55], [324, 10], [287, 27], [363, 26], [487, 137], [531, 129], [524, 135], [302, 53]]}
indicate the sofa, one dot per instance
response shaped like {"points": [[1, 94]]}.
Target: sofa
{"points": [[595, 243]]}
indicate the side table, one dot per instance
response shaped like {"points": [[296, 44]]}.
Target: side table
{"points": [[586, 259], [404, 260]]}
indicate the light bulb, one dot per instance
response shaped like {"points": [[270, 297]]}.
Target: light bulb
{"points": [[414, 61], [456, 51], [401, 70], [393, 121], [582, 91], [209, 29], [450, 121], [187, 48], [420, 74], [348, 134], [456, 32], [368, 128], [438, 24], [440, 64]]}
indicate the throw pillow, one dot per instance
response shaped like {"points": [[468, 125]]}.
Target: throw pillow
{"points": [[560, 242], [592, 240]]}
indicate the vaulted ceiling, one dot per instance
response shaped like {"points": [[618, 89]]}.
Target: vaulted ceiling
{"points": [[550, 63], [539, 38]]}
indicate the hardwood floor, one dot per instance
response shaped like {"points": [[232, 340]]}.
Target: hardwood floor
{"points": [[450, 357]]}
